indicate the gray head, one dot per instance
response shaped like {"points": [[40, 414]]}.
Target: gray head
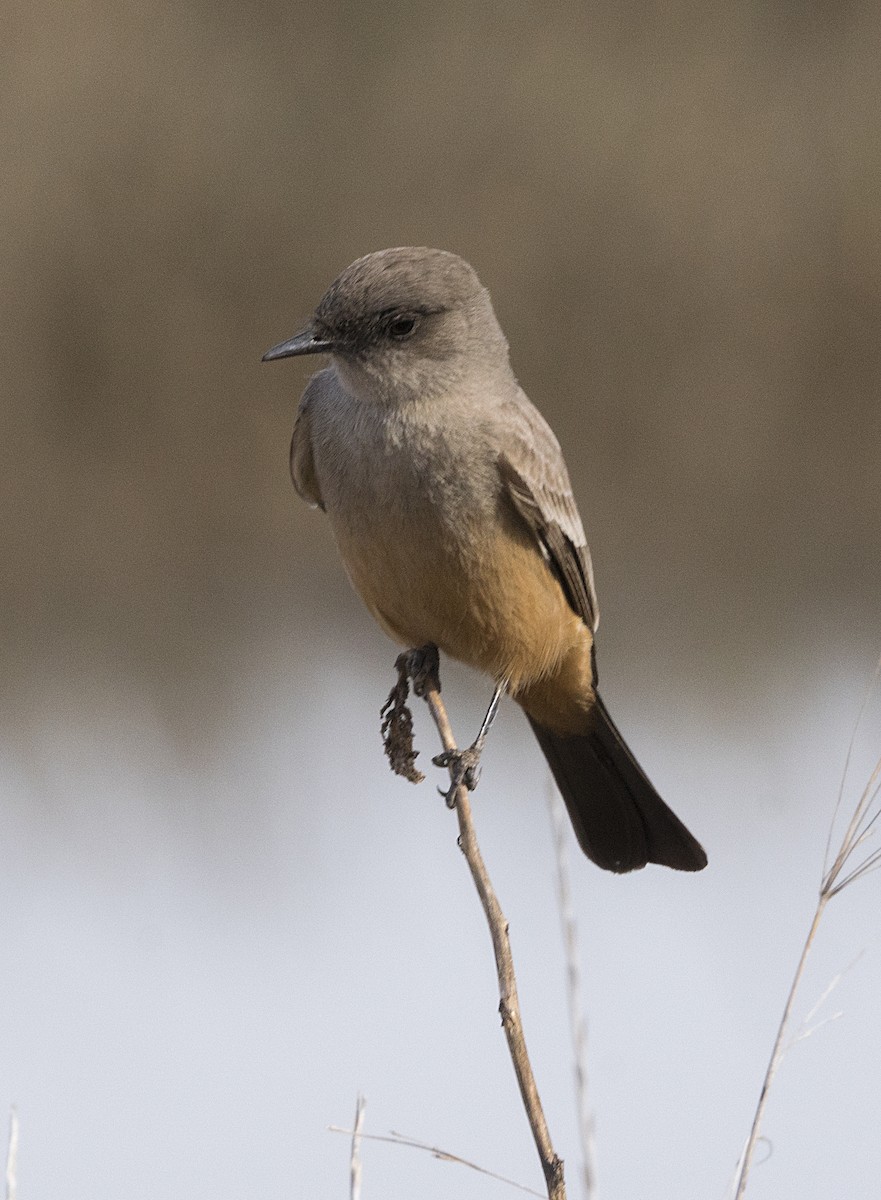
{"points": [[403, 324]]}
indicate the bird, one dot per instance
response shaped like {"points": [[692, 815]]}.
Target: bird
{"points": [[452, 509]]}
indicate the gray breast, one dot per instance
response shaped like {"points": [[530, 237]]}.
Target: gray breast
{"points": [[422, 463]]}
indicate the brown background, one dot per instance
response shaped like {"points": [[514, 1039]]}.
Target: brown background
{"points": [[676, 210]]}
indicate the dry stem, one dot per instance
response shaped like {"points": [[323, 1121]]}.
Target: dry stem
{"points": [[577, 1023], [12, 1157], [777, 1052], [841, 874], [398, 1139], [355, 1158], [422, 666]]}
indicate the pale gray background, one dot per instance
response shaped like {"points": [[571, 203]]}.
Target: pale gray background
{"points": [[222, 915]]}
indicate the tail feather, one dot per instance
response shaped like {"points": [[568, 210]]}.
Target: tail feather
{"points": [[619, 819]]}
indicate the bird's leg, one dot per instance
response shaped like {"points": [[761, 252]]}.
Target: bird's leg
{"points": [[486, 724], [422, 664], [464, 765]]}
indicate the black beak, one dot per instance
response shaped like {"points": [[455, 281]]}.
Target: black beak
{"points": [[306, 341]]}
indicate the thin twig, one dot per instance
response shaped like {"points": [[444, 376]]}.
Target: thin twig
{"points": [[578, 1027], [423, 669], [355, 1159], [12, 1156], [398, 1139]]}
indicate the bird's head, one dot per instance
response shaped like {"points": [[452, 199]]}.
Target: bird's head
{"points": [[404, 323]]}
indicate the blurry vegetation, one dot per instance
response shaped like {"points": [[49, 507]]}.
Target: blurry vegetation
{"points": [[674, 206]]}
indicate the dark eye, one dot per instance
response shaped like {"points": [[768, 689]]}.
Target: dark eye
{"points": [[403, 327]]}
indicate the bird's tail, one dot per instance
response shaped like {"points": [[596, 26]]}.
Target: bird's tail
{"points": [[619, 819]]}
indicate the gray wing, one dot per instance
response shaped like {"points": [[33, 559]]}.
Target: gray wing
{"points": [[535, 476], [302, 461]]}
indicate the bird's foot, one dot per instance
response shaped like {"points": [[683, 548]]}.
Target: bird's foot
{"points": [[464, 768], [422, 665], [464, 765]]}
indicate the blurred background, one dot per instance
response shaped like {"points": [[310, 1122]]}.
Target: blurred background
{"points": [[222, 916]]}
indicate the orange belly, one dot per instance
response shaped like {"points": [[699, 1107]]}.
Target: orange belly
{"points": [[491, 602]]}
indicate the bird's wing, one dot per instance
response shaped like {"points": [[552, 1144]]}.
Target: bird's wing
{"points": [[302, 462], [537, 482]]}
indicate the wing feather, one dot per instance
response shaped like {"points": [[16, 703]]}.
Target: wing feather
{"points": [[302, 461], [535, 476]]}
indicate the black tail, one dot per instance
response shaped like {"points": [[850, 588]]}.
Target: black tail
{"points": [[619, 819]]}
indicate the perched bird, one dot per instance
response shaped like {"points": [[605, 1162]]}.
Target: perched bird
{"points": [[453, 512]]}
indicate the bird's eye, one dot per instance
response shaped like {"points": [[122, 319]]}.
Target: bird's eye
{"points": [[403, 327]]}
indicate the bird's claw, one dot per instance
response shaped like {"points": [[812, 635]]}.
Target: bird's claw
{"points": [[464, 768]]}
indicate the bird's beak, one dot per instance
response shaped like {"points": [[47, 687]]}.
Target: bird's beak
{"points": [[307, 341]]}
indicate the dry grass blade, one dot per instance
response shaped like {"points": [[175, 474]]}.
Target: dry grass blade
{"points": [[398, 1139], [355, 1157], [810, 1025], [839, 799], [861, 827], [840, 875], [860, 822], [12, 1157], [578, 1027]]}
